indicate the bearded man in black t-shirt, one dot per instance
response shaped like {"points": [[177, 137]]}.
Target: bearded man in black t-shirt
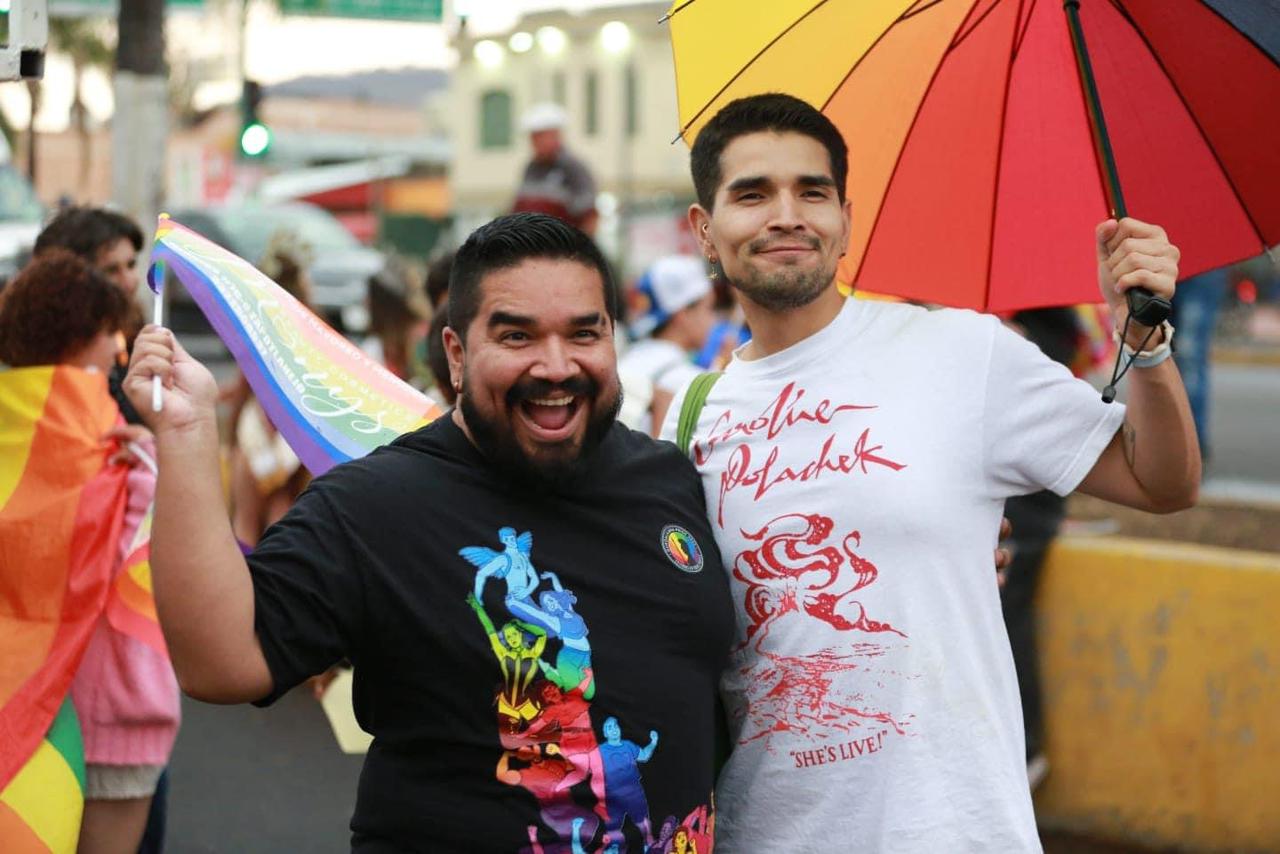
{"points": [[522, 641]]}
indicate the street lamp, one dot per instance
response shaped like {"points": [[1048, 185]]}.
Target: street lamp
{"points": [[488, 53], [552, 40], [520, 42], [615, 37]]}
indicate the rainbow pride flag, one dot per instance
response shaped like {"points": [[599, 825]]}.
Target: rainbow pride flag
{"points": [[131, 608], [61, 510], [330, 401], [41, 807]]}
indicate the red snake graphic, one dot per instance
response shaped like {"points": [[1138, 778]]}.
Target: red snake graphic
{"points": [[793, 569]]}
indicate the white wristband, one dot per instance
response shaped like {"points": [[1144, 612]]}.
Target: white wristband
{"points": [[1154, 356]]}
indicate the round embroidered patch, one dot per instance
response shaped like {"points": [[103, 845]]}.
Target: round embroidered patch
{"points": [[681, 548]]}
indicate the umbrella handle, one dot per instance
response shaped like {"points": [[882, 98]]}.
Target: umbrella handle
{"points": [[1147, 308], [1144, 307]]}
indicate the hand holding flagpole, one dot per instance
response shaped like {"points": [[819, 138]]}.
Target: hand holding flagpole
{"points": [[155, 281]]}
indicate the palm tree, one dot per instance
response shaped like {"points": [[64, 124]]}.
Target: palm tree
{"points": [[84, 42], [33, 99], [140, 123]]}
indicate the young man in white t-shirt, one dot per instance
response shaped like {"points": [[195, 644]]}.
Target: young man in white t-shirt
{"points": [[673, 315], [856, 456]]}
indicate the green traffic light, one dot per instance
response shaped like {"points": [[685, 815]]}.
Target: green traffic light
{"points": [[255, 139]]}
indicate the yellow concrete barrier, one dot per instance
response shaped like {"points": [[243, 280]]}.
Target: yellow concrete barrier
{"points": [[1161, 672]]}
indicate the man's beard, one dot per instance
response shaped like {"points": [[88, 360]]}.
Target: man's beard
{"points": [[497, 442], [787, 289]]}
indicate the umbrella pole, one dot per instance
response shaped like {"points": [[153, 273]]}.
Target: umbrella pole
{"points": [[1144, 306]]}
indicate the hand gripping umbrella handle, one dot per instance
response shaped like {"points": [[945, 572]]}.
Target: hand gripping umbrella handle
{"points": [[1144, 307], [1147, 308]]}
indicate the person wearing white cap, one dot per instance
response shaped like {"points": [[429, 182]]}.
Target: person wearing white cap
{"points": [[555, 182], [672, 309]]}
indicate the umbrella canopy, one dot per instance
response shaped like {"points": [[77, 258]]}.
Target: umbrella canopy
{"points": [[972, 166]]}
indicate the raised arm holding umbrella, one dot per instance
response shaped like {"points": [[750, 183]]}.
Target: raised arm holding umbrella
{"points": [[855, 454]]}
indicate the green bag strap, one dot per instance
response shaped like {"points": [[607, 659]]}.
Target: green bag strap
{"points": [[691, 409]]}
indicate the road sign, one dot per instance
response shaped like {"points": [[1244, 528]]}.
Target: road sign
{"points": [[108, 8], [396, 10]]}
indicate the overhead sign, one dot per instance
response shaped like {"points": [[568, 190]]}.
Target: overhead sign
{"points": [[431, 11], [107, 8]]}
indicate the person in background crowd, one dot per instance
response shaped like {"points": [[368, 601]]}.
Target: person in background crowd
{"points": [[728, 333], [1195, 314], [438, 280], [59, 310], [109, 242], [266, 475], [671, 317], [397, 313], [441, 389], [430, 349], [1035, 519], [555, 182]]}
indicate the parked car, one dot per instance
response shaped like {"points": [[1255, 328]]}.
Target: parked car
{"points": [[20, 219], [339, 271]]}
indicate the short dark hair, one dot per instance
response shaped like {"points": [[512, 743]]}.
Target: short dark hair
{"points": [[509, 241], [56, 305], [754, 114], [85, 230]]}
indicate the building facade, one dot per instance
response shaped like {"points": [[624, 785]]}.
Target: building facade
{"points": [[611, 69]]}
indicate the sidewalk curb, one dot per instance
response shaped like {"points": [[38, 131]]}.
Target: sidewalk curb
{"points": [[1245, 355], [1160, 681]]}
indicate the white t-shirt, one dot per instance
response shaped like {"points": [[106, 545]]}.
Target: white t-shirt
{"points": [[855, 482], [652, 363]]}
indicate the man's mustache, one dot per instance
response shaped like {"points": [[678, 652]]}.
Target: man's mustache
{"points": [[531, 389], [765, 244]]}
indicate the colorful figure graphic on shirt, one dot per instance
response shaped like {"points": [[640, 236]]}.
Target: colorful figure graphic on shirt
{"points": [[557, 616], [607, 846], [699, 831], [518, 660], [512, 565], [586, 790], [662, 842], [540, 774], [565, 721], [683, 842], [793, 569], [623, 787]]}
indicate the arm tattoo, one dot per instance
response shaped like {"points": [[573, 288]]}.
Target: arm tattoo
{"points": [[1130, 436]]}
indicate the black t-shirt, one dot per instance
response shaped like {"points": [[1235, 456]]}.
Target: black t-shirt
{"points": [[525, 719]]}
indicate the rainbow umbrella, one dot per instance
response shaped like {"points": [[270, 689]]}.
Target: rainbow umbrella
{"points": [[330, 401], [979, 153]]}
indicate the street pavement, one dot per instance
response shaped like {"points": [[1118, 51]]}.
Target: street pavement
{"points": [[1244, 432], [253, 781]]}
